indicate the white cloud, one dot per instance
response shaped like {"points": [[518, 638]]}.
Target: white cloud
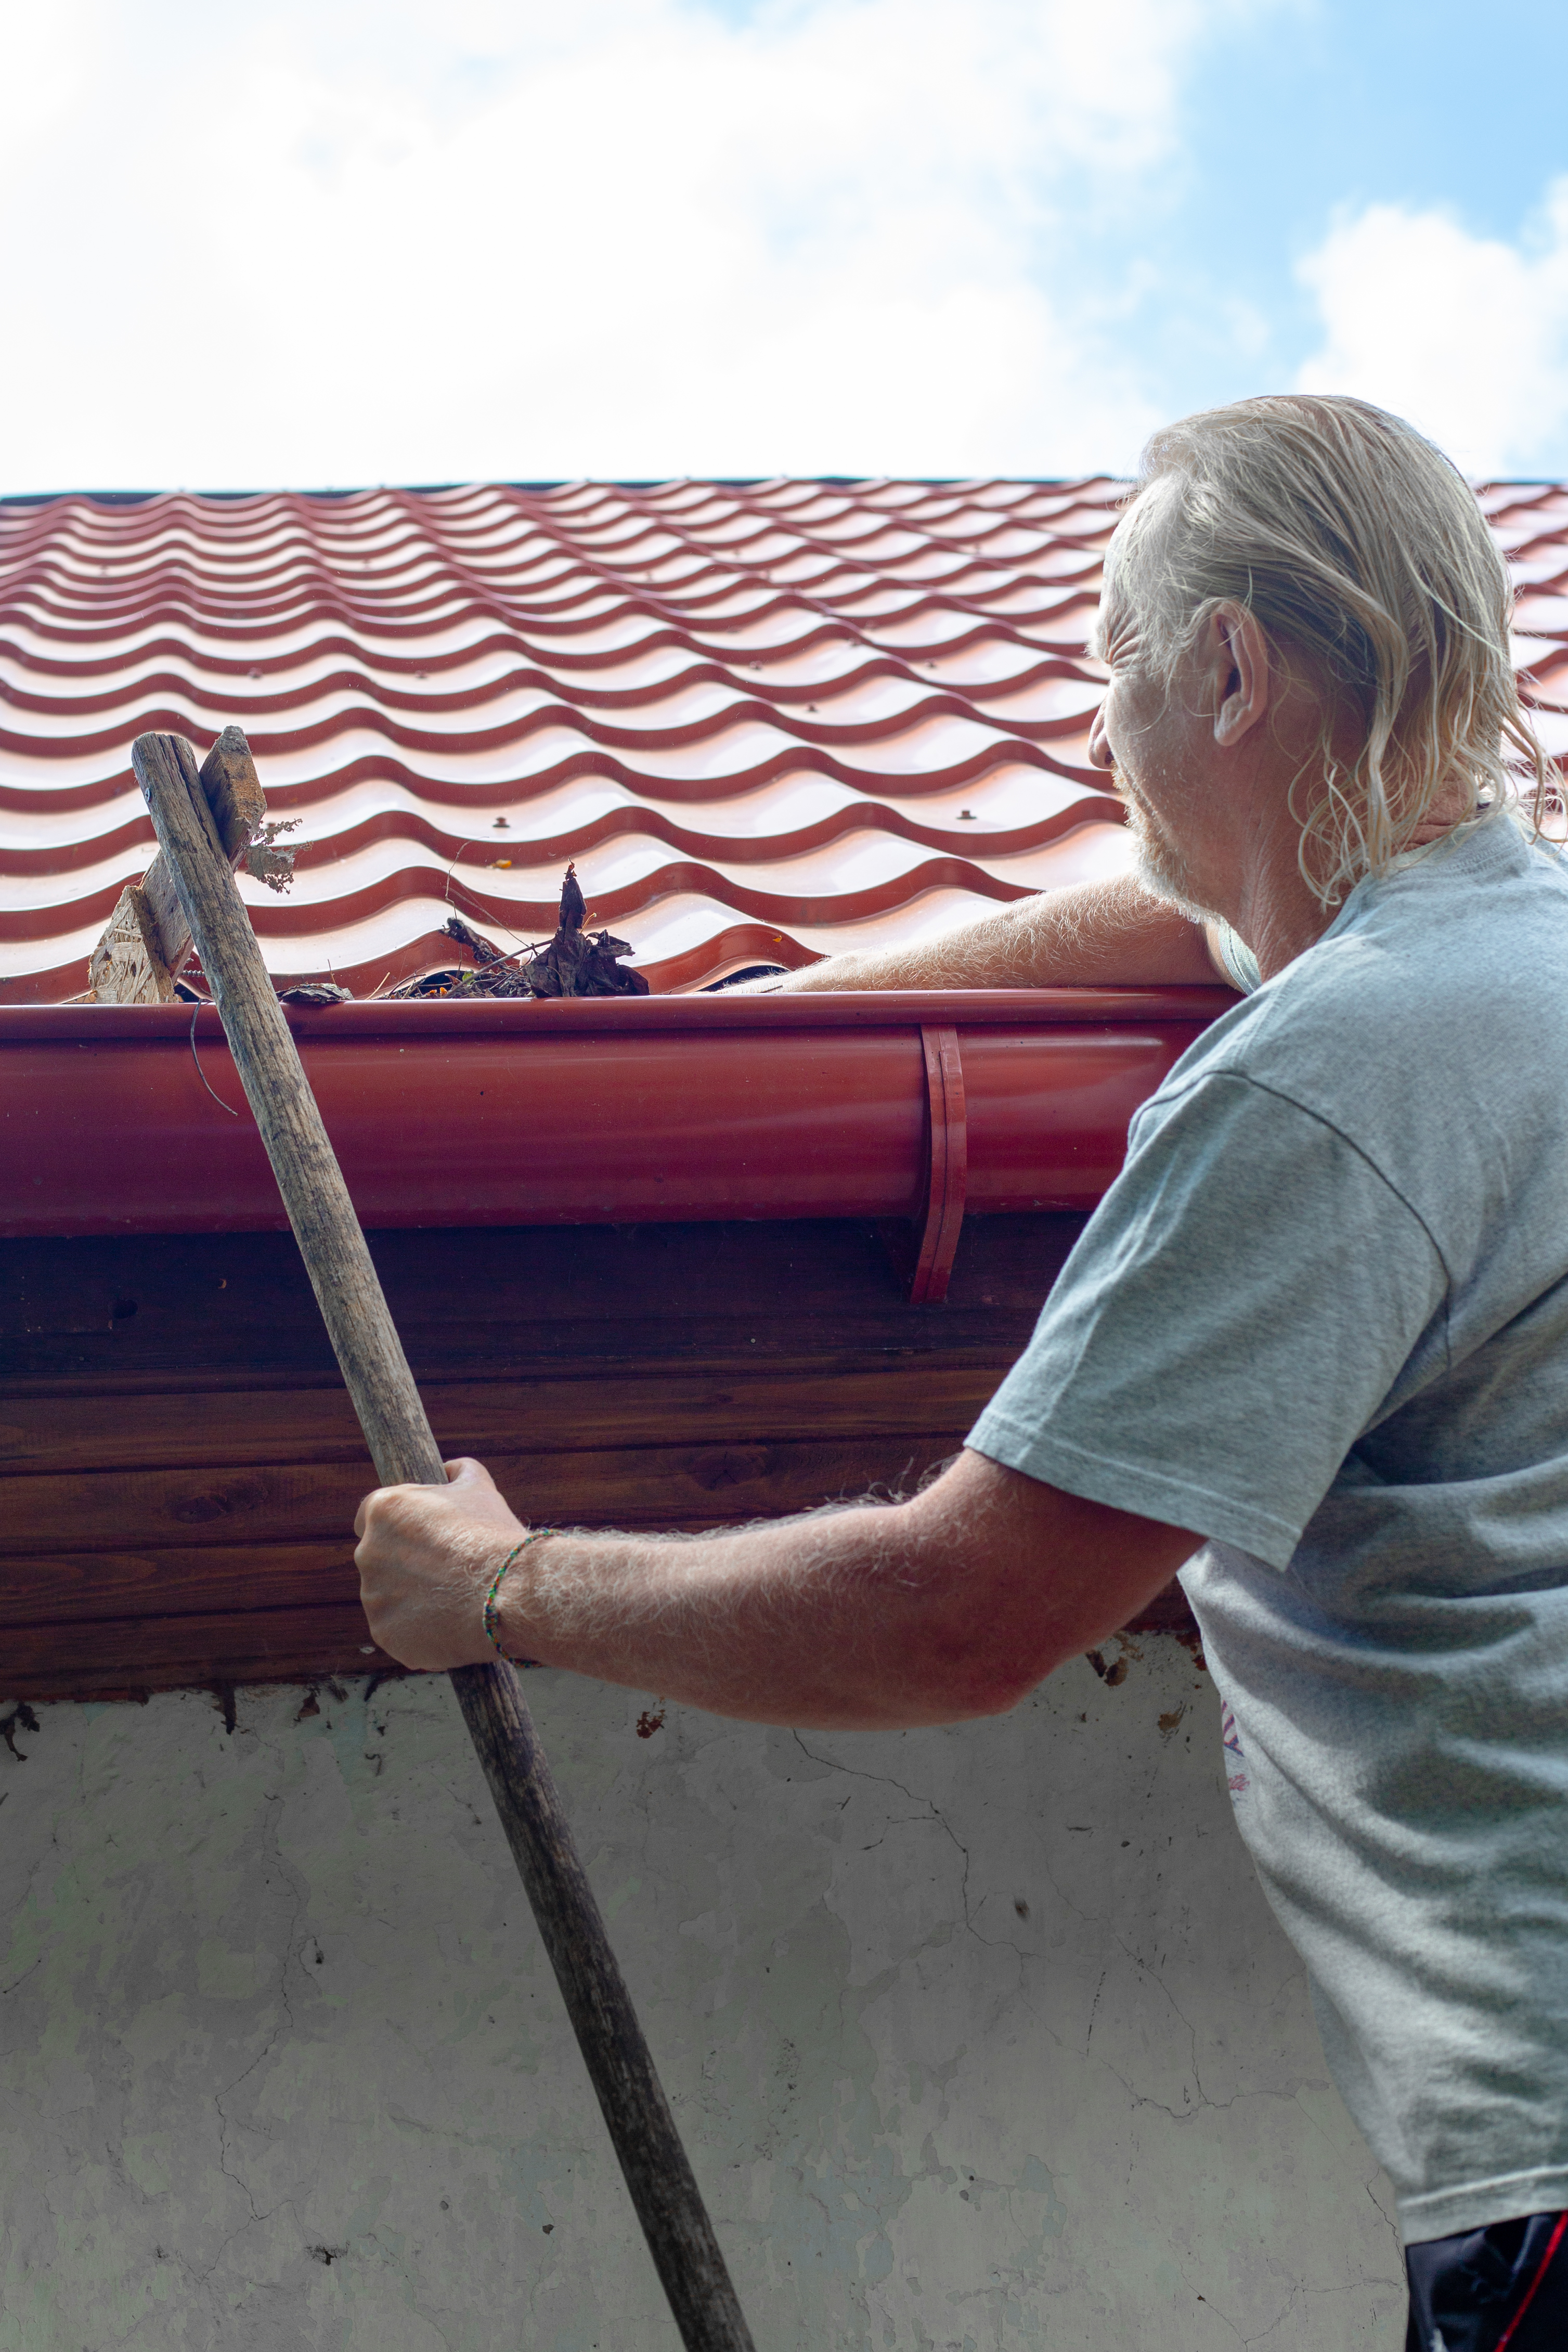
{"points": [[353, 244], [47, 66], [1466, 336]]}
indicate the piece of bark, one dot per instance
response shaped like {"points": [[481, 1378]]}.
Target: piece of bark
{"points": [[234, 793], [148, 939]]}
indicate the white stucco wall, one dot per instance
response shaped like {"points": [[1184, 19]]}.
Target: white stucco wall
{"points": [[980, 2038]]}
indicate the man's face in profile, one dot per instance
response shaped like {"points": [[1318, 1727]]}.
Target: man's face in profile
{"points": [[1153, 751]]}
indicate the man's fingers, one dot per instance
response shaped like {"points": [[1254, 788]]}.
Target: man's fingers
{"points": [[464, 1471]]}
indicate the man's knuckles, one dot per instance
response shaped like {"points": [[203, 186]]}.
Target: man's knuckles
{"points": [[403, 1511]]}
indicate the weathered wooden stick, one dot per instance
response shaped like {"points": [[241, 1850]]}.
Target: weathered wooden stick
{"points": [[658, 2174], [147, 938]]}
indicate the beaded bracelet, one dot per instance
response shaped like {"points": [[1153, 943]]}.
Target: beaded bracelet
{"points": [[490, 1626]]}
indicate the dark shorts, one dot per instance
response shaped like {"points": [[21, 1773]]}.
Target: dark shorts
{"points": [[1503, 2289]]}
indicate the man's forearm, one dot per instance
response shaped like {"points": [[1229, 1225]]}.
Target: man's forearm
{"points": [[821, 1621], [1107, 933], [953, 1605]]}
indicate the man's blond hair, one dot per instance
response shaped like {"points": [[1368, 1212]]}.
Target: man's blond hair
{"points": [[1357, 546]]}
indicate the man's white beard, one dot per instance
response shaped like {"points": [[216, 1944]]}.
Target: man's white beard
{"points": [[1159, 870]]}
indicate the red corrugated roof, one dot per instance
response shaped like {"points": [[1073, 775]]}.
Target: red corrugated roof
{"points": [[767, 720]]}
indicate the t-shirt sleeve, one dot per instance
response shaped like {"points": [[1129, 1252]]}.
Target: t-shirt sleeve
{"points": [[1231, 1320]]}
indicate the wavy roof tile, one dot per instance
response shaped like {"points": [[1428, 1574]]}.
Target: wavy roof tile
{"points": [[768, 720]]}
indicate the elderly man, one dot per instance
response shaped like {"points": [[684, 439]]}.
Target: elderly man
{"points": [[1312, 1349]]}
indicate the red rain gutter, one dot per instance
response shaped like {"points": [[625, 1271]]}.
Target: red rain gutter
{"points": [[919, 1106]]}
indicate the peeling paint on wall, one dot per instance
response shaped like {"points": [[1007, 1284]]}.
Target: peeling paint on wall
{"points": [[983, 2040]]}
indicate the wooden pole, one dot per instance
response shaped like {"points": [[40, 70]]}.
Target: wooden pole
{"points": [[658, 2174]]}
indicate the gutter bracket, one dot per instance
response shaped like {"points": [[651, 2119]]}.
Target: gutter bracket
{"points": [[922, 1251]]}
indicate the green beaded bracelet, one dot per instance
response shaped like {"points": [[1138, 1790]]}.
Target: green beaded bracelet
{"points": [[490, 1626]]}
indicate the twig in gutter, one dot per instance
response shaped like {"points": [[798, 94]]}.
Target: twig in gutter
{"points": [[197, 1059], [483, 951]]}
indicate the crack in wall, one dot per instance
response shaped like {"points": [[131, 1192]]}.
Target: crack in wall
{"points": [[932, 1814], [846, 2188]]}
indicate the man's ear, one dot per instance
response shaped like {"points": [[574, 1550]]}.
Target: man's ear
{"points": [[1237, 652]]}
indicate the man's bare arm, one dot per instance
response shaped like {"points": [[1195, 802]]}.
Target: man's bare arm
{"points": [[1107, 933], [953, 1605]]}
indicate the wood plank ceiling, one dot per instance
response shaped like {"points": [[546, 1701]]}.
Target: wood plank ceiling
{"points": [[180, 1467]]}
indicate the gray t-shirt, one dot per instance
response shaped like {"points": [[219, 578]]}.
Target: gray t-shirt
{"points": [[1322, 1320]]}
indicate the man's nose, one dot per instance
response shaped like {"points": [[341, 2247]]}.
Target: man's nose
{"points": [[1100, 752]]}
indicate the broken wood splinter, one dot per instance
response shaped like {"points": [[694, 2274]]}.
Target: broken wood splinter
{"points": [[148, 938]]}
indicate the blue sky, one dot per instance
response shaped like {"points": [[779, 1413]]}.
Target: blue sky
{"points": [[1314, 113], [1339, 104], [335, 241]]}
